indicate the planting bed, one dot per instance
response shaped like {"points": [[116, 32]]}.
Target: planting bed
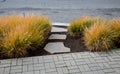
{"points": [[37, 37]]}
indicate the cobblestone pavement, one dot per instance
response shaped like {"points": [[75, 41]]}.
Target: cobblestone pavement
{"points": [[71, 63]]}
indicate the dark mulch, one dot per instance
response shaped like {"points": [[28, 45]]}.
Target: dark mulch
{"points": [[75, 44]]}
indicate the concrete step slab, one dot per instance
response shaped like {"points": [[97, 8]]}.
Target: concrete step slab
{"points": [[58, 29], [60, 24], [56, 47], [57, 36]]}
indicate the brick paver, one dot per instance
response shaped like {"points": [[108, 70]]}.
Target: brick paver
{"points": [[71, 63]]}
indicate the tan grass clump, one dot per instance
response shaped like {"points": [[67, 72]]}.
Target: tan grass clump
{"points": [[99, 37], [18, 33], [78, 26]]}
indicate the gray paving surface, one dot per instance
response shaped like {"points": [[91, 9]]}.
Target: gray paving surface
{"points": [[71, 63], [62, 10]]}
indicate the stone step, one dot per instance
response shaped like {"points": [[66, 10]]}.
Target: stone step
{"points": [[57, 36], [60, 24], [58, 29], [56, 47]]}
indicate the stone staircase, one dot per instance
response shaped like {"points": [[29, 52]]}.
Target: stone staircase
{"points": [[56, 44]]}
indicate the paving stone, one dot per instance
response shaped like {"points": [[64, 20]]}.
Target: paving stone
{"points": [[117, 70], [51, 70], [14, 62], [36, 60], [115, 65], [92, 60], [59, 70], [116, 58], [52, 73], [28, 60], [95, 68], [39, 66], [67, 63], [86, 67], [74, 56], [55, 58], [87, 61], [81, 68], [40, 59], [48, 59], [19, 62], [36, 72], [102, 66], [60, 64], [106, 65], [16, 69], [29, 72], [72, 67], [60, 24], [109, 70], [52, 65], [7, 61], [67, 57], [88, 72], [30, 67], [70, 62], [79, 55], [18, 73], [80, 62], [4, 65], [58, 29], [42, 72], [74, 70], [24, 68], [92, 55], [47, 65], [57, 36], [78, 73], [65, 70], [7, 70], [99, 59], [60, 58], [1, 70], [56, 47], [101, 72]]}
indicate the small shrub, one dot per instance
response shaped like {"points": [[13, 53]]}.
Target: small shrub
{"points": [[18, 34], [115, 27], [78, 26], [99, 37]]}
